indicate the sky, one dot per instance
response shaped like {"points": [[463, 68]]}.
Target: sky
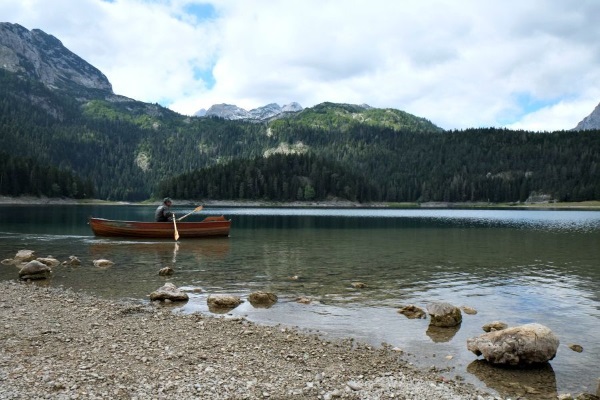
{"points": [[532, 65]]}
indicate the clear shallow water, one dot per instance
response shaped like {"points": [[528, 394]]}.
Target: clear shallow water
{"points": [[511, 265]]}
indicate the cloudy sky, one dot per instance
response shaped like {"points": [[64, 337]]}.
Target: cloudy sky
{"points": [[531, 64]]}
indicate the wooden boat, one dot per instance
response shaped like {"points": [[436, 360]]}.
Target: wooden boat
{"points": [[208, 227]]}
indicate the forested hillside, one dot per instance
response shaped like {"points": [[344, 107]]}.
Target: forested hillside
{"points": [[378, 164], [278, 177], [23, 176], [122, 149]]}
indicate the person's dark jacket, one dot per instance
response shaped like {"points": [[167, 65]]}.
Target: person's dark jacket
{"points": [[163, 214]]}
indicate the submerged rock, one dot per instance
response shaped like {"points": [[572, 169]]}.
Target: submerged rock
{"points": [[103, 263], [72, 261], [469, 310], [494, 326], [24, 256], [303, 300], [412, 312], [576, 347], [520, 345]]}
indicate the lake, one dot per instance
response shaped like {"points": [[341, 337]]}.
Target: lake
{"points": [[517, 266]]}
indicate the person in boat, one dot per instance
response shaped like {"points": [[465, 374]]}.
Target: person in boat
{"points": [[162, 213]]}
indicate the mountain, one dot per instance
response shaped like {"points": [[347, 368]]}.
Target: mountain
{"points": [[235, 113], [65, 132], [592, 121], [36, 57], [346, 116], [42, 57]]}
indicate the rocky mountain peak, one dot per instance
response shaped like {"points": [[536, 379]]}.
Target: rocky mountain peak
{"points": [[590, 122], [233, 112], [37, 55]]}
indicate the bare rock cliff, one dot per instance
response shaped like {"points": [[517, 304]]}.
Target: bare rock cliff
{"points": [[36, 55], [592, 121]]}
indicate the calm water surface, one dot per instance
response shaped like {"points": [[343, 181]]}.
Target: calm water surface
{"points": [[511, 265]]}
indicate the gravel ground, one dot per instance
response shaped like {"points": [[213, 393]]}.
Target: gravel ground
{"points": [[63, 345]]}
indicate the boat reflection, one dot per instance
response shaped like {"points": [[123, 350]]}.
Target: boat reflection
{"points": [[161, 252]]}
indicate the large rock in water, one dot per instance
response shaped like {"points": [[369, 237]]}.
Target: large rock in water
{"points": [[444, 315], [520, 345], [169, 292], [35, 270], [24, 256], [262, 299], [222, 303]]}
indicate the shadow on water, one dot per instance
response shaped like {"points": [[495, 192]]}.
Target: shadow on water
{"points": [[534, 383], [440, 335]]}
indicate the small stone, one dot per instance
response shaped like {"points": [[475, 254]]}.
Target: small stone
{"points": [[103, 263], [494, 326], [576, 347], [469, 310], [412, 312]]}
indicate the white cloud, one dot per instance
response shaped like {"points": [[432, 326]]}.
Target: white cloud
{"points": [[531, 65]]}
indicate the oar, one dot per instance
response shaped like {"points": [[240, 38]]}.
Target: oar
{"points": [[195, 210], [175, 226]]}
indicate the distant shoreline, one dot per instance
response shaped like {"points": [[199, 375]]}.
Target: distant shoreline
{"points": [[584, 205]]}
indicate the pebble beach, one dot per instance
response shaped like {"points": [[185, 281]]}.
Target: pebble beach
{"points": [[59, 344]]}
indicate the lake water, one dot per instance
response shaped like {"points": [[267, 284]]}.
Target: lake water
{"points": [[516, 266]]}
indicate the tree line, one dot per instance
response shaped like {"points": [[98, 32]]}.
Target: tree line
{"points": [[22, 176], [280, 177], [489, 165], [127, 148]]}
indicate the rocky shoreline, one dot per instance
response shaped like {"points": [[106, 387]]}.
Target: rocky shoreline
{"points": [[30, 200], [65, 345]]}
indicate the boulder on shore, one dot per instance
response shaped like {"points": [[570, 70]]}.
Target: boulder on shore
{"points": [[444, 315], [169, 292], [520, 345], [35, 270]]}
